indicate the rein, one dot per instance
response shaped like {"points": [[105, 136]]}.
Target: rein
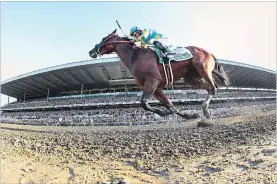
{"points": [[115, 42], [99, 47]]}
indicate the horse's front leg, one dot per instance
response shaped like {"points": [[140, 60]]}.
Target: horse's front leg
{"points": [[159, 94], [149, 87]]}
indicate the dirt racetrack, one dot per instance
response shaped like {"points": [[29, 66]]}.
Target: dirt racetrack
{"points": [[239, 148]]}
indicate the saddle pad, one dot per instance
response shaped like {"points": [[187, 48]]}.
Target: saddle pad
{"points": [[180, 54]]}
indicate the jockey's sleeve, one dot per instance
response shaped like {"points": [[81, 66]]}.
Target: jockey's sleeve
{"points": [[144, 35], [139, 39]]}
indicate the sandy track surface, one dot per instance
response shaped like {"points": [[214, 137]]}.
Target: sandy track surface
{"points": [[237, 149]]}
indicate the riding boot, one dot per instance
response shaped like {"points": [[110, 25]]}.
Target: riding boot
{"points": [[162, 47]]}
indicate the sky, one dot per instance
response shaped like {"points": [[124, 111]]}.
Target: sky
{"points": [[36, 35]]}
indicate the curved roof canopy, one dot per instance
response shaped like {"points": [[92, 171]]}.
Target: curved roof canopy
{"points": [[110, 72]]}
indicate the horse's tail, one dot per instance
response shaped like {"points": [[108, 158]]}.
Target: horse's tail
{"points": [[220, 72]]}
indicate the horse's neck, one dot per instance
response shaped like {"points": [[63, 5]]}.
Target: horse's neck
{"points": [[125, 54]]}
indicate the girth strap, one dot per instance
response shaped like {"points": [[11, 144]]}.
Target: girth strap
{"points": [[168, 74]]}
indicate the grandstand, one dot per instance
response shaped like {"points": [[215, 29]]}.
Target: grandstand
{"points": [[96, 92]]}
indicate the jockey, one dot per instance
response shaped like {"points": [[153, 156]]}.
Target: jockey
{"points": [[149, 36]]}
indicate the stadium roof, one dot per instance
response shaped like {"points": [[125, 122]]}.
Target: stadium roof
{"points": [[110, 72]]}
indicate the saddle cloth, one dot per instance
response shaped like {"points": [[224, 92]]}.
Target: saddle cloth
{"points": [[179, 53]]}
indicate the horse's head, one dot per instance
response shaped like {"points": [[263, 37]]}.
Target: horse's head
{"points": [[106, 46]]}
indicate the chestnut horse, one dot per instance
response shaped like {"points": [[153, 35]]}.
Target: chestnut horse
{"points": [[148, 73]]}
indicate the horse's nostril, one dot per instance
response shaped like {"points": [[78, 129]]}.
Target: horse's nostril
{"points": [[92, 55]]}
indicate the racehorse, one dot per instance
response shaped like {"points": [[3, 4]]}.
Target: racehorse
{"points": [[148, 73]]}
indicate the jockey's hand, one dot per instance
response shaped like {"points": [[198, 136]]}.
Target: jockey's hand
{"points": [[132, 41]]}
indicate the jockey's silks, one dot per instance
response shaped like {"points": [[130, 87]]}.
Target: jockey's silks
{"points": [[147, 35]]}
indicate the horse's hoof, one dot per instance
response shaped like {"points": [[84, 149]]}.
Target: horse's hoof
{"points": [[191, 116]]}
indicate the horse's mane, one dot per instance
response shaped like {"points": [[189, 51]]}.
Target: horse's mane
{"points": [[125, 38]]}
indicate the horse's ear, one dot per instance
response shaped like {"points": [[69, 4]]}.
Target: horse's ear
{"points": [[114, 31]]}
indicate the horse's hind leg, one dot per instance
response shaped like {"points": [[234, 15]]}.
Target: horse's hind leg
{"points": [[159, 94], [205, 69], [205, 106], [149, 87]]}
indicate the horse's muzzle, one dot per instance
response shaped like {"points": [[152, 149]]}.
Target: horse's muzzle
{"points": [[93, 53]]}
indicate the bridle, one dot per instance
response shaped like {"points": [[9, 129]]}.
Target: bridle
{"points": [[98, 46]]}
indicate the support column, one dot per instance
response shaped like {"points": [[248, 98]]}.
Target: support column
{"points": [[47, 94], [24, 97], [82, 91]]}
